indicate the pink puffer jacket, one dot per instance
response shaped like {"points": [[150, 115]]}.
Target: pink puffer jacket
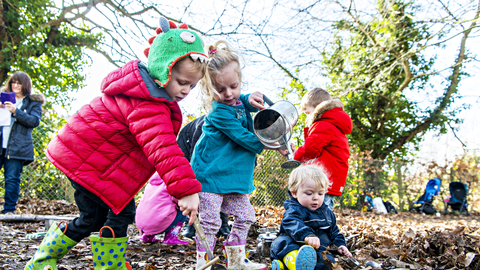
{"points": [[114, 144], [157, 209]]}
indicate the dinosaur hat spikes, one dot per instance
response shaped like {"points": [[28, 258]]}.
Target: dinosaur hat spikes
{"points": [[171, 45]]}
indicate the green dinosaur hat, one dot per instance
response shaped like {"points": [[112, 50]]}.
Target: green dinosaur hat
{"points": [[170, 46]]}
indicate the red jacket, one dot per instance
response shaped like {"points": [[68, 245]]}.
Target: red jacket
{"points": [[326, 143], [114, 144]]}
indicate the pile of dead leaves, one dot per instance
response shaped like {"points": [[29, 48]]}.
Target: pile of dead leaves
{"points": [[402, 241]]}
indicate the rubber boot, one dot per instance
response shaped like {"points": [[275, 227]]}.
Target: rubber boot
{"points": [[235, 253], [202, 257], [53, 247], [149, 238], [224, 229], [109, 253], [171, 239], [304, 258], [277, 265], [189, 232]]}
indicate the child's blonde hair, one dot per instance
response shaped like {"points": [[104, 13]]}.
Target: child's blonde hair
{"points": [[221, 54], [309, 171], [314, 97]]}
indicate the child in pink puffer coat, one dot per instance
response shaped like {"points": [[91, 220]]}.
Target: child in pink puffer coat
{"points": [[157, 213]]}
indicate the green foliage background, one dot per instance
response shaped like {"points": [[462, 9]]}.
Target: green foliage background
{"points": [[37, 41]]}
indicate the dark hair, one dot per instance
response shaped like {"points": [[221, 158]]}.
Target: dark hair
{"points": [[24, 79]]}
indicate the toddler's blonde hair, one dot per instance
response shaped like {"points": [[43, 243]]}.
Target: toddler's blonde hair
{"points": [[221, 54], [308, 171], [314, 97]]}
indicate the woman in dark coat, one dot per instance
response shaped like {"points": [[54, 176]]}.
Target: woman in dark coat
{"points": [[17, 143]]}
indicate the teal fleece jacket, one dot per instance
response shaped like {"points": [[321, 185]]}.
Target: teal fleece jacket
{"points": [[224, 156]]}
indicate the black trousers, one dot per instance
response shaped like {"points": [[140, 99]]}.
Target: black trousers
{"points": [[94, 214]]}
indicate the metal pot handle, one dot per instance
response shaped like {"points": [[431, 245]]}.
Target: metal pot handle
{"points": [[267, 100]]}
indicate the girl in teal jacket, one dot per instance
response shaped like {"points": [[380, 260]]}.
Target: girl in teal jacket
{"points": [[224, 156]]}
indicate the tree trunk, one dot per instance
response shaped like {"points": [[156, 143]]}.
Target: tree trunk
{"points": [[401, 191], [372, 176]]}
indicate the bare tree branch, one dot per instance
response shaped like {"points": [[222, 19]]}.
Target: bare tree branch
{"points": [[452, 88]]}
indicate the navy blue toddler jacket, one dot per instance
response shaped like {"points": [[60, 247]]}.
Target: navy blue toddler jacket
{"points": [[299, 222]]}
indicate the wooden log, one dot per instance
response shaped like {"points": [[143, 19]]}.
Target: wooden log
{"points": [[34, 218]]}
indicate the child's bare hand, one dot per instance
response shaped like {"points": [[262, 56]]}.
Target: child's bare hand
{"points": [[344, 251], [313, 241], [292, 146], [189, 206], [256, 100], [284, 152]]}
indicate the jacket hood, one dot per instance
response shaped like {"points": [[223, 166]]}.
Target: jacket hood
{"points": [[332, 111], [38, 97], [292, 202], [142, 86]]}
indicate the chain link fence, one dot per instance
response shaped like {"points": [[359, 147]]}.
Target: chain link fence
{"points": [[395, 181], [40, 179]]}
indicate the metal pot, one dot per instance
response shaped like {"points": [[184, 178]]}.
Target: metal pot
{"points": [[274, 125], [264, 241]]}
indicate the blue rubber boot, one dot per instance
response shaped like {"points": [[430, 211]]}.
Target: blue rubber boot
{"points": [[304, 258], [277, 265]]}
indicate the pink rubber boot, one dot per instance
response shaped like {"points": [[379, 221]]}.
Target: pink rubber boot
{"points": [[171, 239], [149, 238]]}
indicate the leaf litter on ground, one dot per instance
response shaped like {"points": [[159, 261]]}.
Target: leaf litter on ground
{"points": [[402, 241]]}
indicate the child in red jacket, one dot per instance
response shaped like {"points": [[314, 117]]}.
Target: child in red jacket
{"points": [[111, 147], [326, 142]]}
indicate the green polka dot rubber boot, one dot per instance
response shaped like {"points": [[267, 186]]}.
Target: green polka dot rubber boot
{"points": [[53, 247], [109, 253]]}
